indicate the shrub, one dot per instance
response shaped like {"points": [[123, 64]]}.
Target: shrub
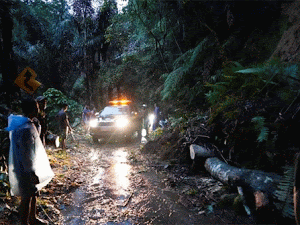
{"points": [[55, 99]]}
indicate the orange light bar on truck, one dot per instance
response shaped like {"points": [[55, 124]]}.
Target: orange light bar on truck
{"points": [[120, 102]]}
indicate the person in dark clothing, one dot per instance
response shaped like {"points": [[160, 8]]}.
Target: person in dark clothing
{"points": [[29, 168], [86, 116], [63, 124], [42, 101], [157, 117]]}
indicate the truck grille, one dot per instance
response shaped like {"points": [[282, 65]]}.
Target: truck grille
{"points": [[106, 124]]}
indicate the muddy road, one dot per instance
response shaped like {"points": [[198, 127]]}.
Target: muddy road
{"points": [[114, 183], [121, 183], [119, 188]]}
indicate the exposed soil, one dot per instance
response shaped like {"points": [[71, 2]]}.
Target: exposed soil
{"points": [[126, 183]]}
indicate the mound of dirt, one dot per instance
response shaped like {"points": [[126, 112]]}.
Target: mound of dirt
{"points": [[171, 145]]}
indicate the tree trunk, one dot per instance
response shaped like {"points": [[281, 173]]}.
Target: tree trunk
{"points": [[254, 179], [9, 70], [257, 185], [197, 152]]}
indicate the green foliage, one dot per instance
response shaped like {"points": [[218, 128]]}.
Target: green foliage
{"points": [[78, 87], [177, 122], [4, 184], [158, 132], [260, 127], [280, 79], [227, 91], [55, 99], [173, 82], [44, 39], [241, 84], [183, 78], [284, 193]]}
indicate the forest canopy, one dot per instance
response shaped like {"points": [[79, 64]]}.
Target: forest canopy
{"points": [[149, 51], [231, 66], [213, 57]]}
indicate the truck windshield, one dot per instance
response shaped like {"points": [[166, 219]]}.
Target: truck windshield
{"points": [[115, 110]]}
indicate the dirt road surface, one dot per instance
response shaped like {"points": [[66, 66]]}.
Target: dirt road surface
{"points": [[114, 183]]}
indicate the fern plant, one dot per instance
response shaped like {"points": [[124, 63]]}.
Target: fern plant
{"points": [[182, 82], [260, 127], [224, 93], [242, 84], [278, 79], [284, 193]]}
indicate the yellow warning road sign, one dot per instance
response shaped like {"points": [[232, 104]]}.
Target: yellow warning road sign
{"points": [[26, 80]]}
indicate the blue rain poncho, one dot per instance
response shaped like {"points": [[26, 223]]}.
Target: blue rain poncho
{"points": [[27, 157]]}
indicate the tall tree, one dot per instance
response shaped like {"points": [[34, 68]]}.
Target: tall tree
{"points": [[8, 67], [43, 33], [91, 29], [83, 13]]}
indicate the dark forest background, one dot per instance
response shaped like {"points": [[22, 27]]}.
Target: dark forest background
{"points": [[231, 65]]}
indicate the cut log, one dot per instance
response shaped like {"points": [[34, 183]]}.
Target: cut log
{"points": [[255, 180], [261, 200], [197, 152]]}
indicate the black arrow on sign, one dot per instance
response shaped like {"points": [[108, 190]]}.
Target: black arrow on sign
{"points": [[27, 78]]}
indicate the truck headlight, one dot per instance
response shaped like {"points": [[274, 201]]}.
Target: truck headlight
{"points": [[151, 118], [93, 123], [122, 122]]}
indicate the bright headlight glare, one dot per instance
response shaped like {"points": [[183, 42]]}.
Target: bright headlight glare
{"points": [[122, 122], [93, 123], [151, 118]]}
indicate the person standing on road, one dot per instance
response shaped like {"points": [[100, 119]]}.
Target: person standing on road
{"points": [[63, 125], [144, 119], [86, 116], [156, 116], [42, 101], [29, 168], [93, 113]]}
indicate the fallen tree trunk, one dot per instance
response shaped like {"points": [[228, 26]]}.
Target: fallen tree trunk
{"points": [[256, 180], [197, 152], [259, 185]]}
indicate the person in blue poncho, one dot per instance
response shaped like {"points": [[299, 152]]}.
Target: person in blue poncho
{"points": [[29, 169]]}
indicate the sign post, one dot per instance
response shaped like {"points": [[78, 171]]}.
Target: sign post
{"points": [[26, 80]]}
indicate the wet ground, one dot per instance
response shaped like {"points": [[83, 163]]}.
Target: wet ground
{"points": [[118, 189], [114, 183], [119, 185]]}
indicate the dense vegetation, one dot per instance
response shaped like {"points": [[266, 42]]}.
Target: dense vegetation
{"points": [[208, 61]]}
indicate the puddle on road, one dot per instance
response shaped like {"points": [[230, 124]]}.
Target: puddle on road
{"points": [[98, 177], [73, 213], [94, 155], [120, 171], [106, 192]]}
